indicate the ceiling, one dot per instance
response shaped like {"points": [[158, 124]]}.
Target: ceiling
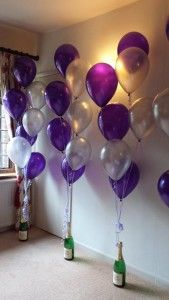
{"points": [[50, 15]]}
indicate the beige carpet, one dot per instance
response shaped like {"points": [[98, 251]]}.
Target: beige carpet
{"points": [[36, 270]]}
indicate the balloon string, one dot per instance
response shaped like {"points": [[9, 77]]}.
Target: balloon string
{"points": [[129, 99]]}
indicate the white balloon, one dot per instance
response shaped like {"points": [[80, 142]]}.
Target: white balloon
{"points": [[116, 158], [78, 152], [19, 151], [33, 121], [36, 94]]}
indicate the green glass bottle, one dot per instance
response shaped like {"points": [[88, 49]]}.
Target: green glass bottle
{"points": [[68, 245], [23, 230], [119, 269]]}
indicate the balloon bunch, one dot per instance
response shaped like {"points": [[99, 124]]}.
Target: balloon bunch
{"points": [[63, 134], [114, 120], [25, 109], [161, 115]]}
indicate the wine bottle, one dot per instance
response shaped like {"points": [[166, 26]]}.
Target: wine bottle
{"points": [[23, 230], [69, 244], [119, 269]]}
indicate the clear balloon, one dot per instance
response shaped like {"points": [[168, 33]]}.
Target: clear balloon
{"points": [[24, 70], [141, 117], [127, 183], [76, 77], [101, 83], [33, 121], [161, 110], [59, 132], [79, 115], [163, 187], [36, 94], [20, 131], [133, 39], [64, 55], [116, 158], [15, 103], [57, 97], [35, 166], [78, 152], [132, 67], [113, 121], [70, 175], [19, 151]]}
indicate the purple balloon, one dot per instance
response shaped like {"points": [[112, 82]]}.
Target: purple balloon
{"points": [[59, 132], [163, 187], [114, 121], [101, 83], [24, 70], [125, 185], [71, 175], [35, 166], [15, 103], [167, 30], [58, 97], [64, 55], [133, 39], [20, 131]]}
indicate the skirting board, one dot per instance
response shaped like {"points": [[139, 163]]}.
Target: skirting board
{"points": [[144, 275]]}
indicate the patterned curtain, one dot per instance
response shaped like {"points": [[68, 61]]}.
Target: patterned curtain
{"points": [[8, 82]]}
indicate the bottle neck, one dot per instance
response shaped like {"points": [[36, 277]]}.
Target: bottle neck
{"points": [[68, 233], [120, 254]]}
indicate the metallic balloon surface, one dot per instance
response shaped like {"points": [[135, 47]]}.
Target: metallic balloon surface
{"points": [[57, 97], [132, 67], [161, 110], [116, 158], [20, 131], [127, 183], [19, 151], [78, 152], [35, 166], [163, 187], [133, 39], [24, 70], [33, 121], [15, 103], [36, 94], [70, 175], [64, 55], [141, 117], [79, 115], [76, 77], [59, 132], [113, 121], [101, 83]]}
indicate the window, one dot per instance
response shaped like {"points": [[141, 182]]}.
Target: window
{"points": [[5, 164]]}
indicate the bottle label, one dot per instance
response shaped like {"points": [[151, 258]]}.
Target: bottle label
{"points": [[68, 253], [117, 278], [23, 235]]}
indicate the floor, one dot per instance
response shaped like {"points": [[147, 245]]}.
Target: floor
{"points": [[36, 270]]}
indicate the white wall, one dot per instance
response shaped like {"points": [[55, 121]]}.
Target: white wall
{"points": [[145, 217]]}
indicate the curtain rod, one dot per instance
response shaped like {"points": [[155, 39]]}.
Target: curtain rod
{"points": [[8, 50]]}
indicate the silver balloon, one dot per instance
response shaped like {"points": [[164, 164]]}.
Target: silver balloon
{"points": [[132, 67], [19, 151], [116, 158], [33, 121], [78, 152], [141, 117], [36, 92], [76, 76], [161, 110], [79, 115]]}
